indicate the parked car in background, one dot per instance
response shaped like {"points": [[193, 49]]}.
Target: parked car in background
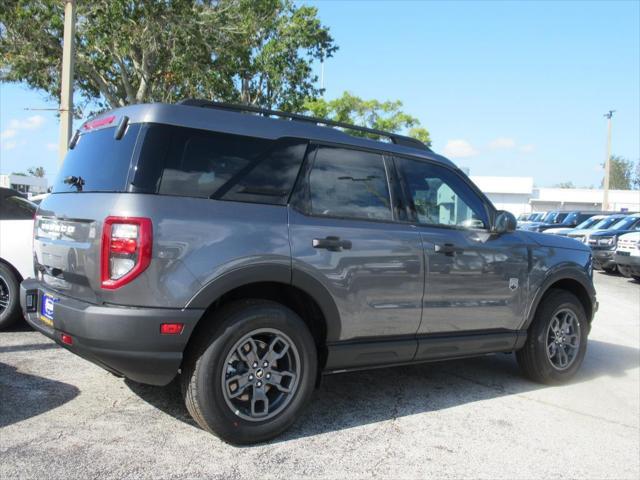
{"points": [[530, 217], [571, 220], [607, 222], [551, 219], [249, 255], [588, 223], [627, 256], [16, 256], [603, 243]]}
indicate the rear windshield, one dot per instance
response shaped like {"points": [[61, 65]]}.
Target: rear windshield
{"points": [[98, 162]]}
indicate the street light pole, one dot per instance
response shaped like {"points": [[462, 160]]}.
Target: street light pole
{"points": [[66, 81], [607, 163]]}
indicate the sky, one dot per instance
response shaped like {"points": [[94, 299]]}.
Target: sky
{"points": [[505, 88]]}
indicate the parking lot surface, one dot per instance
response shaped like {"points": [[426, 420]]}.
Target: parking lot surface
{"points": [[62, 417]]}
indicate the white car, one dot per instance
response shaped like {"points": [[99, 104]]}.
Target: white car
{"points": [[627, 255], [16, 257]]}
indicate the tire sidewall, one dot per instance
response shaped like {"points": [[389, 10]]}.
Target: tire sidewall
{"points": [[212, 361], [10, 313], [540, 331]]}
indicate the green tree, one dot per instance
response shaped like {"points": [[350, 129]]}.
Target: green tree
{"points": [[620, 173], [257, 52], [386, 115], [37, 172]]}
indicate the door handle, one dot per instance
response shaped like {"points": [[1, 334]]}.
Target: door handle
{"points": [[333, 244], [448, 249]]}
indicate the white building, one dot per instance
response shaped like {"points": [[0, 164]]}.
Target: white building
{"points": [[518, 195], [25, 184]]}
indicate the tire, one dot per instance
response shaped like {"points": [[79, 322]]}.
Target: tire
{"points": [[214, 361], [610, 269], [636, 277], [533, 359], [9, 297]]}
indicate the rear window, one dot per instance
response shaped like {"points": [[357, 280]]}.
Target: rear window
{"points": [[99, 160], [199, 163]]}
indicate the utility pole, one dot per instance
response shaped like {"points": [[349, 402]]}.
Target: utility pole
{"points": [[66, 83], [607, 163]]}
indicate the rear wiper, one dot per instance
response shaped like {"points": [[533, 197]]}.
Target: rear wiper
{"points": [[74, 181]]}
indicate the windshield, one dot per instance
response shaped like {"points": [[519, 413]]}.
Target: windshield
{"points": [[588, 222], [559, 217], [625, 223], [605, 223], [549, 217]]}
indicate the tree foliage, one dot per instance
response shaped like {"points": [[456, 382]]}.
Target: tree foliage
{"points": [[386, 115], [621, 173], [37, 172], [256, 52]]}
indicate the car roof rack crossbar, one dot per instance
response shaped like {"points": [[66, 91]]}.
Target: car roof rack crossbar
{"points": [[394, 137]]}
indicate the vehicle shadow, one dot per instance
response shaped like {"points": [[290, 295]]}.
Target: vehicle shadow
{"points": [[359, 398], [23, 396]]}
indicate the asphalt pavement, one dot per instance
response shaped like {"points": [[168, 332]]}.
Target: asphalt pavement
{"points": [[62, 417]]}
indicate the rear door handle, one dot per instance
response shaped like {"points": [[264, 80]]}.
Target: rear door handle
{"points": [[448, 249], [333, 244]]}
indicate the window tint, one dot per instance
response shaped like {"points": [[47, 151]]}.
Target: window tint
{"points": [[349, 183], [199, 163], [441, 197], [16, 208], [100, 160]]}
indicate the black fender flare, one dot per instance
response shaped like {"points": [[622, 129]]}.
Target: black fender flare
{"points": [[277, 273], [564, 273]]}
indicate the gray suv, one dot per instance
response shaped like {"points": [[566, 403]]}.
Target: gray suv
{"points": [[249, 251]]}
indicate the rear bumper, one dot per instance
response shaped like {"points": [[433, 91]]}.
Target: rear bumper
{"points": [[123, 340]]}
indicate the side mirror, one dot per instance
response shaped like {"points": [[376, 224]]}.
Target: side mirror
{"points": [[504, 222]]}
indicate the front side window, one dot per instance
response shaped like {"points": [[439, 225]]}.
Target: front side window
{"points": [[350, 184], [438, 196]]}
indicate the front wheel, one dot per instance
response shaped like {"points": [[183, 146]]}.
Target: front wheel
{"points": [[556, 341], [252, 372]]}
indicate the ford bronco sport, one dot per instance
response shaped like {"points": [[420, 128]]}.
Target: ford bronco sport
{"points": [[249, 254]]}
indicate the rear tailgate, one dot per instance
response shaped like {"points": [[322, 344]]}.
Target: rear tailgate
{"points": [[67, 242], [68, 225]]}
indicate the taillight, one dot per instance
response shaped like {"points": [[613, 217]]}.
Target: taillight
{"points": [[126, 250]]}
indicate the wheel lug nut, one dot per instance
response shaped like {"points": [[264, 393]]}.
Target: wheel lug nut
{"points": [[259, 383], [268, 376], [255, 364], [250, 377], [265, 364]]}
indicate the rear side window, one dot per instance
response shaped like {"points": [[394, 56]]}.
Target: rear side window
{"points": [[16, 208], [199, 163], [99, 160], [349, 184]]}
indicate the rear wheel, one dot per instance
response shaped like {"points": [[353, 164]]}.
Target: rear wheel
{"points": [[556, 341], [610, 269], [636, 277], [9, 297], [252, 372]]}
